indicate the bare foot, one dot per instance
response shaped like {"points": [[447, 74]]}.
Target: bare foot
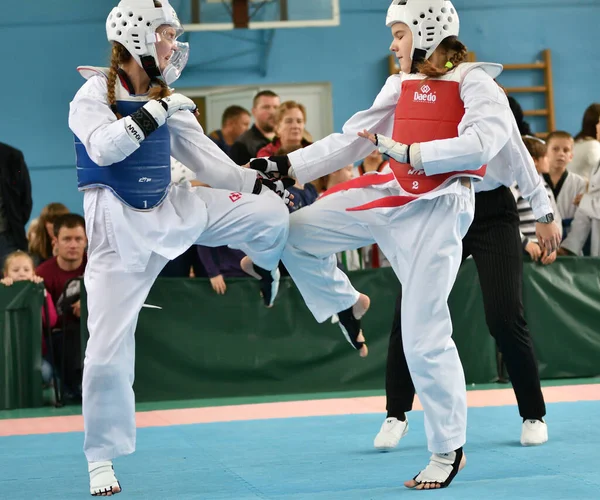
{"points": [[114, 491], [248, 267], [361, 307], [359, 310]]}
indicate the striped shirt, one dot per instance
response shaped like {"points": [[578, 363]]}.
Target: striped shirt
{"points": [[526, 217]]}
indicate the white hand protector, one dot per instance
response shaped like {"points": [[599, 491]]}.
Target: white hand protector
{"points": [[154, 114], [393, 149]]}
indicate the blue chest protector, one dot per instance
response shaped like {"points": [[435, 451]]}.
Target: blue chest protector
{"points": [[141, 180]]}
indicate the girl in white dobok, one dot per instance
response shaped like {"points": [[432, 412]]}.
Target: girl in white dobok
{"points": [[127, 123], [440, 120]]}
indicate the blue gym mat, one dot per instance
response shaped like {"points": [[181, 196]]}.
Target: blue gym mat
{"points": [[319, 458]]}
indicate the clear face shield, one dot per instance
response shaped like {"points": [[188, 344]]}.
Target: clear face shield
{"points": [[177, 62], [179, 55]]}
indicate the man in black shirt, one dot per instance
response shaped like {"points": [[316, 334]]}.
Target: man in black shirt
{"points": [[264, 107]]}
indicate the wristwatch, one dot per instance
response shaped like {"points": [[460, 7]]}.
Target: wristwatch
{"points": [[546, 219]]}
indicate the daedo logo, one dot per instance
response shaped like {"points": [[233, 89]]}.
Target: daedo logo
{"points": [[424, 95]]}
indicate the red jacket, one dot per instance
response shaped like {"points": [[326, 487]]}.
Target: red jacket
{"points": [[274, 146]]}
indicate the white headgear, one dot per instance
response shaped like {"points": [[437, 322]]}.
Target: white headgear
{"points": [[133, 24], [429, 20]]}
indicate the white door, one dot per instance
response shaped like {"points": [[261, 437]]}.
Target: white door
{"points": [[317, 100], [316, 97], [218, 102]]}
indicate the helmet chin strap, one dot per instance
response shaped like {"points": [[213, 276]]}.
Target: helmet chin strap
{"points": [[150, 67], [418, 57]]}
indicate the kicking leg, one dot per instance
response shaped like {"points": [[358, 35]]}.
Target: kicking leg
{"points": [[255, 224], [317, 233]]}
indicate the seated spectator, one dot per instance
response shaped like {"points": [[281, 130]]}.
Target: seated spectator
{"points": [[290, 122], [220, 263], [538, 151], [565, 186], [334, 178], [587, 217], [375, 162], [234, 122], [264, 107], [586, 152], [41, 241], [18, 266], [60, 275]]}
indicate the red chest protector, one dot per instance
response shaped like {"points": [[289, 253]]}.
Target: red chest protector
{"points": [[427, 110]]}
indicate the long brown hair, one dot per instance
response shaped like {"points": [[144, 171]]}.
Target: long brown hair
{"points": [[589, 122], [451, 46], [40, 242]]}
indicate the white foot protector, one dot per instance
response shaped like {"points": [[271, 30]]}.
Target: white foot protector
{"points": [[103, 481], [441, 470], [391, 432], [534, 432]]}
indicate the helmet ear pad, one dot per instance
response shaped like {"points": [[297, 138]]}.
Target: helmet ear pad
{"points": [[133, 24]]}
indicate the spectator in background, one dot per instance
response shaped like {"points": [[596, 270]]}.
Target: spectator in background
{"points": [[587, 217], [375, 162], [18, 266], [335, 178], [586, 152], [15, 200], [220, 263], [565, 186], [264, 107], [234, 122], [538, 151], [517, 112], [68, 264], [41, 238], [290, 122]]}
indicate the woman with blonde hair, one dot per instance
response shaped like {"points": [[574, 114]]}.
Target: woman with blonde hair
{"points": [[290, 135]]}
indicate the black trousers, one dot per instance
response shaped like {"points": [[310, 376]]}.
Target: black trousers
{"points": [[495, 244]]}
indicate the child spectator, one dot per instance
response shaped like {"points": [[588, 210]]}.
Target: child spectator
{"points": [[18, 266], [565, 185], [538, 151]]}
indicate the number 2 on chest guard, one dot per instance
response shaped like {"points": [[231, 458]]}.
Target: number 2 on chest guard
{"points": [[415, 185]]}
